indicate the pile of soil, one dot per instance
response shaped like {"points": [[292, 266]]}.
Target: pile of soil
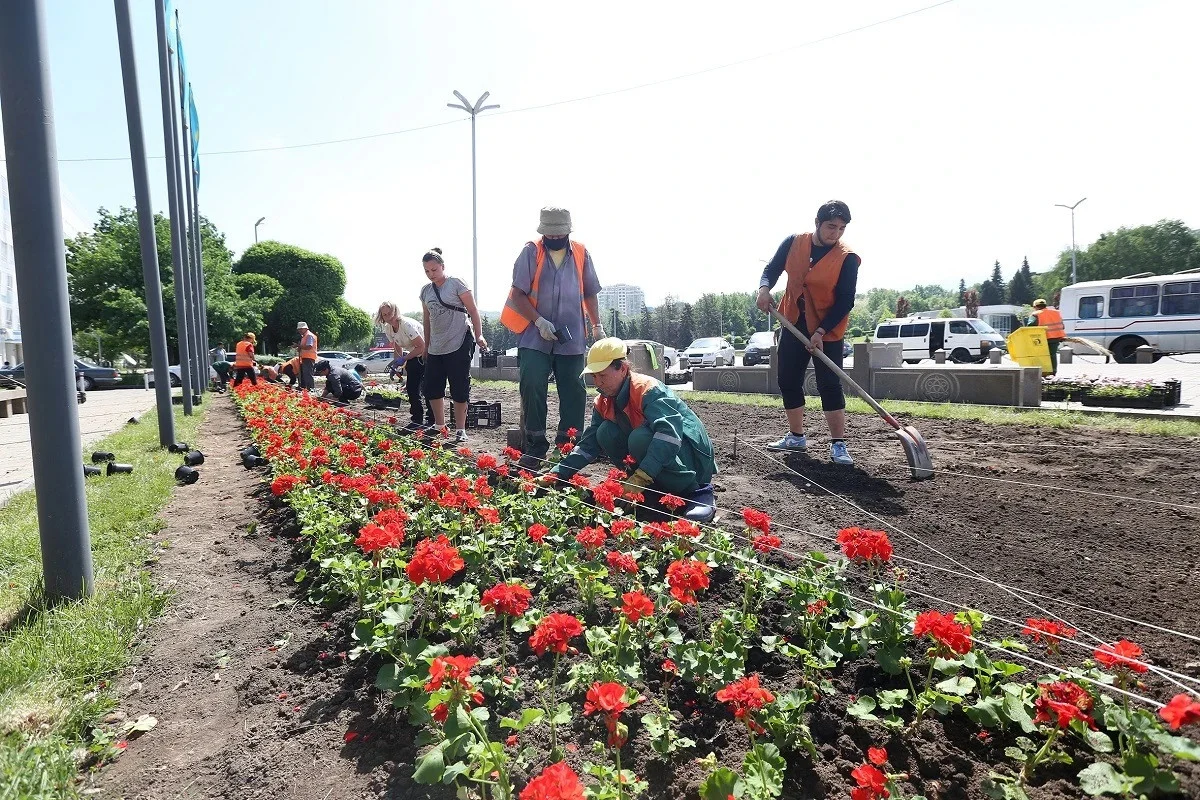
{"points": [[255, 697]]}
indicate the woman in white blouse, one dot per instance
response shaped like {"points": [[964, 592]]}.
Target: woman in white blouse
{"points": [[408, 344]]}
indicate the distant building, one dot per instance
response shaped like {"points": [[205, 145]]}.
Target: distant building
{"points": [[11, 349], [627, 300]]}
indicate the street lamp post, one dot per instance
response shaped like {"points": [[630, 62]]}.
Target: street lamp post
{"points": [[260, 222], [474, 110], [1072, 208]]}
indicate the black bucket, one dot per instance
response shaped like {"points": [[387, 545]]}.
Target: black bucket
{"points": [[99, 457], [114, 468], [194, 459], [186, 475]]}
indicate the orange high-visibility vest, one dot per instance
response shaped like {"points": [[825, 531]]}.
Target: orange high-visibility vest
{"points": [[638, 386], [514, 320], [815, 283], [245, 355], [307, 352], [1052, 321]]}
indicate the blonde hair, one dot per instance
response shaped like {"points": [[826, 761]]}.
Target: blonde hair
{"points": [[390, 306]]}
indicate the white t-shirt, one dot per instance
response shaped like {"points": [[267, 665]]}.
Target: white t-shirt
{"points": [[410, 329]]}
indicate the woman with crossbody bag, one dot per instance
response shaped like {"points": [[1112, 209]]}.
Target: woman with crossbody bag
{"points": [[452, 330]]}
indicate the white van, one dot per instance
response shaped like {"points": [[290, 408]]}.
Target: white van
{"points": [[965, 340]]}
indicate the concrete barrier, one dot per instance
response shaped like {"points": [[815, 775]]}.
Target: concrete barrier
{"points": [[877, 367], [12, 401]]}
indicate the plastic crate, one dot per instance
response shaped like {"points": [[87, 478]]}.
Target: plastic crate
{"points": [[483, 414]]}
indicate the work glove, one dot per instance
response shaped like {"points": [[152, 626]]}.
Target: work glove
{"points": [[638, 481], [546, 329]]}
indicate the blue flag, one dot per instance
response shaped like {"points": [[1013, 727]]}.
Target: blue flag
{"points": [[194, 123]]}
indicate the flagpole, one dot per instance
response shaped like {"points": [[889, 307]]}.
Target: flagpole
{"points": [[196, 318], [149, 246], [169, 145]]}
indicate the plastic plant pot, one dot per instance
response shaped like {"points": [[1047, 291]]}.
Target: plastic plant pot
{"points": [[178, 447], [186, 475], [114, 468], [194, 459], [250, 462], [252, 450], [99, 457], [90, 471]]}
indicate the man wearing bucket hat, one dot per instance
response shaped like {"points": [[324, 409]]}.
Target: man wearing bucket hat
{"points": [[243, 361], [1051, 319], [554, 292], [306, 349], [643, 428]]}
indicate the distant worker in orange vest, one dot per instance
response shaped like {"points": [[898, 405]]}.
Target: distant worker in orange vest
{"points": [[243, 361], [306, 348], [822, 278], [554, 291], [291, 371], [1049, 318]]}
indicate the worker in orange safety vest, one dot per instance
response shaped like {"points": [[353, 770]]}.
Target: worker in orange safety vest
{"points": [[244, 361], [1051, 319], [306, 349]]}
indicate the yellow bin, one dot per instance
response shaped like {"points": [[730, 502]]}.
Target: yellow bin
{"points": [[1027, 346]]}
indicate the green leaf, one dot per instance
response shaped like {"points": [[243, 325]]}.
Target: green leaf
{"points": [[986, 712], [301, 574], [397, 616], [364, 631], [764, 768], [1099, 741], [862, 707], [1177, 746], [892, 698], [530, 716], [889, 658], [1014, 712], [562, 715], [430, 767], [389, 678], [1101, 778], [1002, 787], [947, 666], [1147, 777], [720, 784], [959, 687]]}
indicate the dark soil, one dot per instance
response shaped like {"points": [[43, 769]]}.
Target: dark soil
{"points": [[277, 721]]}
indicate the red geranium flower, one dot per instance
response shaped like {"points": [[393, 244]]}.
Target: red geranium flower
{"points": [[635, 606], [816, 609], [872, 783], [765, 543], [1120, 655], [1182, 710], [441, 713], [434, 560], [669, 666], [672, 502], [608, 698], [537, 532], [622, 562], [1061, 702], [756, 519], [860, 544], [284, 484], [944, 630], [565, 448], [744, 697], [489, 515], [486, 462], [877, 756], [453, 669], [580, 481], [554, 632], [1048, 631], [507, 598], [629, 461], [512, 454], [372, 537], [591, 538], [556, 782], [686, 577]]}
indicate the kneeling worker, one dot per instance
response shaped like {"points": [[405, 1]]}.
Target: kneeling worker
{"points": [[342, 384], [637, 416], [290, 370]]}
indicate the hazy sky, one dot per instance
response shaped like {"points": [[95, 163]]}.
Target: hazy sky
{"points": [[951, 132]]}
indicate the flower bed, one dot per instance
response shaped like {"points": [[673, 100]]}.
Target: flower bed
{"points": [[535, 636]]}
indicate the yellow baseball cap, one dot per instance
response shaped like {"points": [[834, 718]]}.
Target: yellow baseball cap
{"points": [[603, 353]]}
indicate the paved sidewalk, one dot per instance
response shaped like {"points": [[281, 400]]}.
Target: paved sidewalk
{"points": [[104, 412]]}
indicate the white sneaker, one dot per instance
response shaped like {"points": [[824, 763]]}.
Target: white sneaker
{"points": [[460, 437], [790, 443], [840, 455]]}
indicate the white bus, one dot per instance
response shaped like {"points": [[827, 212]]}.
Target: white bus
{"points": [[1162, 311]]}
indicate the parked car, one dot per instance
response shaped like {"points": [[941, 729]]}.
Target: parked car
{"points": [[377, 361], [965, 340], [759, 348], [176, 380], [670, 354], [338, 358], [94, 376], [706, 351]]}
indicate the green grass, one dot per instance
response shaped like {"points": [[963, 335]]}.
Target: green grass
{"points": [[994, 415], [53, 661]]}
